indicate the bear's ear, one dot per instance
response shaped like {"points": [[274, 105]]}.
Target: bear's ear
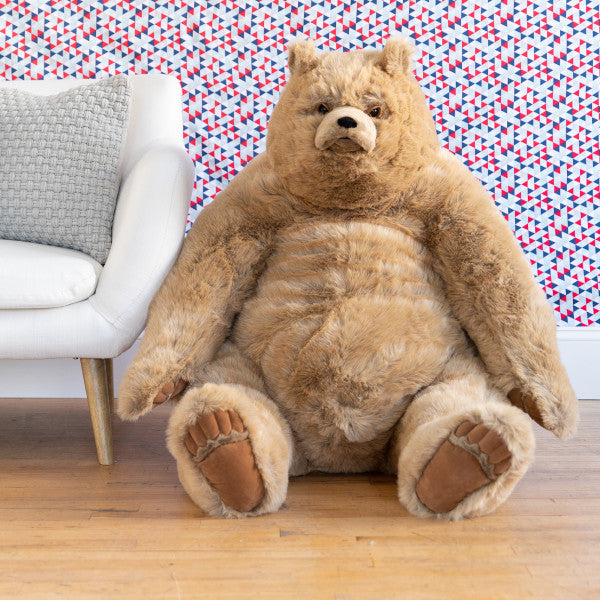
{"points": [[396, 56], [302, 57]]}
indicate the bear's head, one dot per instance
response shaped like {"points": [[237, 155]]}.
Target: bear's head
{"points": [[350, 129]]}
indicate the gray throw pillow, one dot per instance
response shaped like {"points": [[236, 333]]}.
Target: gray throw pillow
{"points": [[60, 159]]}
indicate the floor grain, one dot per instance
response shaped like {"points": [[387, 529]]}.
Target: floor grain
{"points": [[72, 529]]}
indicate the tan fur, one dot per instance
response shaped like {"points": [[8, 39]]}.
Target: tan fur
{"points": [[354, 300]]}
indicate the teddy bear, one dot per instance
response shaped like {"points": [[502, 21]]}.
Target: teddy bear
{"points": [[353, 301]]}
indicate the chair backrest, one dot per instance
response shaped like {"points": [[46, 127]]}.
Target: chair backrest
{"points": [[155, 109]]}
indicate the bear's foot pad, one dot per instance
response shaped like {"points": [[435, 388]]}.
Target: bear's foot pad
{"points": [[169, 391], [471, 457], [219, 443]]}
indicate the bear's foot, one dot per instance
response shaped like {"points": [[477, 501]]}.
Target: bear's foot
{"points": [[220, 446], [471, 457], [170, 391]]}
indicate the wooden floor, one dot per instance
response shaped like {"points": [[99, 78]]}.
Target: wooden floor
{"points": [[72, 529]]}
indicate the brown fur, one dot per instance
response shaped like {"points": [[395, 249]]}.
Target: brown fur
{"points": [[353, 300]]}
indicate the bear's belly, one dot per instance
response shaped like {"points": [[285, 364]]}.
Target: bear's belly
{"points": [[348, 322]]}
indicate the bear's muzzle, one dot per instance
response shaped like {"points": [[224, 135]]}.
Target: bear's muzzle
{"points": [[346, 129]]}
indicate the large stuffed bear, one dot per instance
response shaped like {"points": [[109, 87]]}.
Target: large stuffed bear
{"points": [[353, 301]]}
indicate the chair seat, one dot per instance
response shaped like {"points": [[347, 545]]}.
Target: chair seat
{"points": [[39, 276]]}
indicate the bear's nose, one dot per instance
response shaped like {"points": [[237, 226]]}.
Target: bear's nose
{"points": [[347, 122]]}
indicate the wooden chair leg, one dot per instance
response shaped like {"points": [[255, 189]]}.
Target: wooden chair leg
{"points": [[97, 390], [110, 379]]}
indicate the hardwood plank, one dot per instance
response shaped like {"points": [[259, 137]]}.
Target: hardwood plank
{"points": [[71, 528]]}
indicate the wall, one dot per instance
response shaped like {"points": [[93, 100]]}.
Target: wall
{"points": [[512, 87]]}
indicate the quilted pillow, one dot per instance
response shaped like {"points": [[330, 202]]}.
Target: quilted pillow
{"points": [[60, 162]]}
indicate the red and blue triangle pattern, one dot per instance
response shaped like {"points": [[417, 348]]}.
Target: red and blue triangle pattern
{"points": [[514, 88]]}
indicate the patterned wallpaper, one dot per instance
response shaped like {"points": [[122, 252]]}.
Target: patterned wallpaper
{"points": [[513, 86]]}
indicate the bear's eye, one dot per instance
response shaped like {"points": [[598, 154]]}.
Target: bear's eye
{"points": [[323, 109], [375, 112]]}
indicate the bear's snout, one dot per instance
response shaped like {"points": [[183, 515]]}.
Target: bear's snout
{"points": [[346, 129]]}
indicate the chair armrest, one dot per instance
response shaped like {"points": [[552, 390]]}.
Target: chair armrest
{"points": [[148, 231]]}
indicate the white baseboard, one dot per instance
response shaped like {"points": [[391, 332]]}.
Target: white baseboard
{"points": [[580, 352], [61, 378], [56, 378]]}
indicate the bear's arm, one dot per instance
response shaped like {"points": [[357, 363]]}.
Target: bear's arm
{"points": [[491, 289], [191, 314]]}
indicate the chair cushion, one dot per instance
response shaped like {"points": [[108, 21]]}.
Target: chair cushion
{"points": [[60, 160], [39, 276]]}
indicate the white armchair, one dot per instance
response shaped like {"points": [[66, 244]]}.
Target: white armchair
{"points": [[107, 305]]}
